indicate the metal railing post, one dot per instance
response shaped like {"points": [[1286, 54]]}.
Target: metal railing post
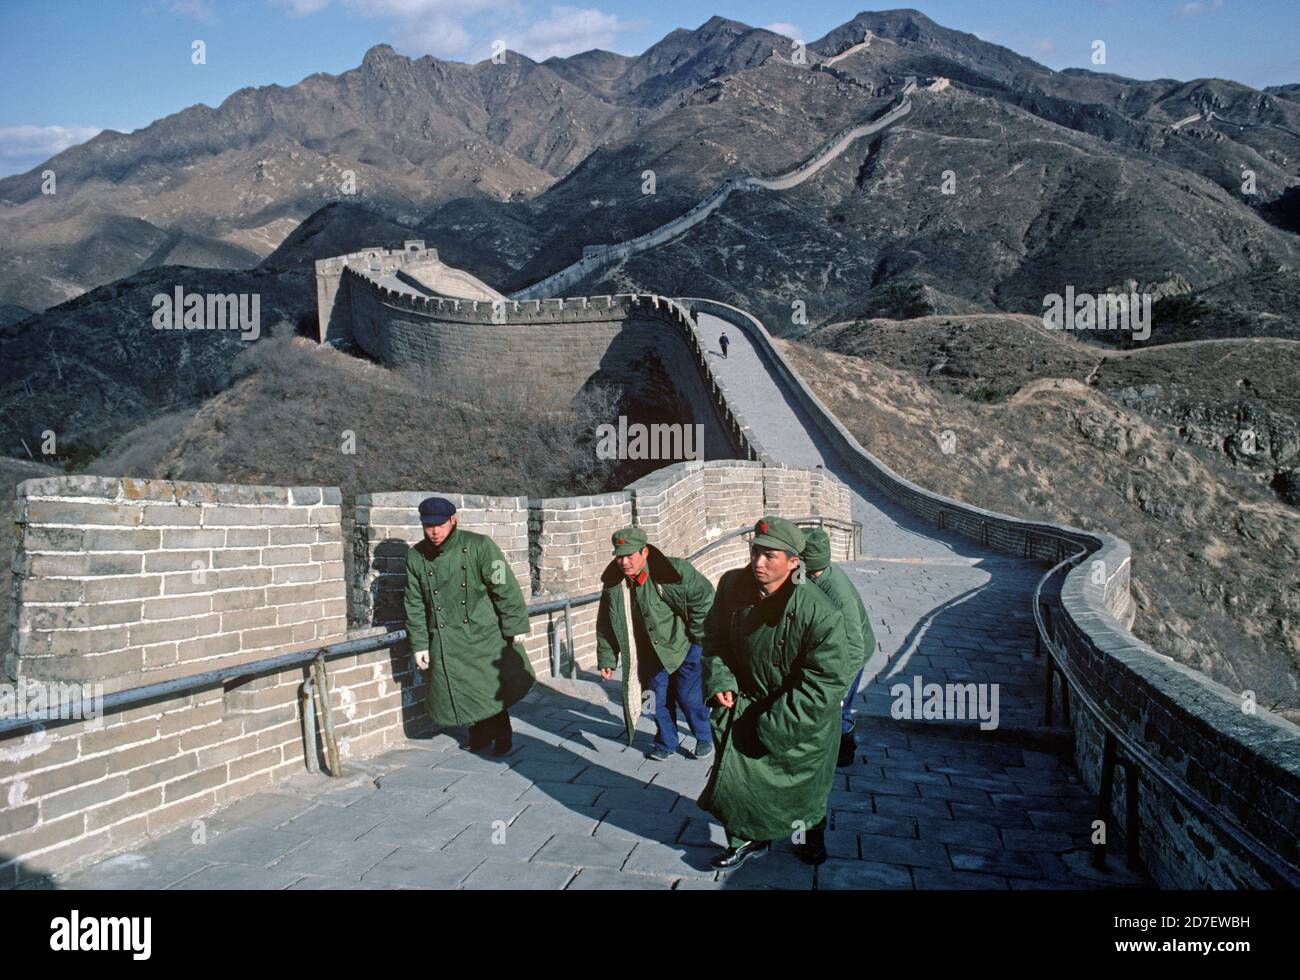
{"points": [[307, 704], [322, 689], [568, 638]]}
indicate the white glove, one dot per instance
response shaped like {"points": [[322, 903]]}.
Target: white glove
{"points": [[421, 658]]}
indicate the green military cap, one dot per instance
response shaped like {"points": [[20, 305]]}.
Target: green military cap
{"points": [[817, 549], [777, 532], [628, 541]]}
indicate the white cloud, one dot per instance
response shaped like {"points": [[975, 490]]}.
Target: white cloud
{"points": [[787, 29], [42, 142], [24, 147], [568, 30], [411, 10], [302, 8], [198, 9], [466, 29], [442, 37], [1197, 7]]}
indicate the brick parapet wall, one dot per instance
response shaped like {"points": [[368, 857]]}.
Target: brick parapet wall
{"points": [[565, 341], [128, 582]]}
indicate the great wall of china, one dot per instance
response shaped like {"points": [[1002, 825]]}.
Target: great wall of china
{"points": [[127, 582]]}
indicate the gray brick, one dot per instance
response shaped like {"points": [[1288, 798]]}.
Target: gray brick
{"points": [[930, 879], [513, 875], [237, 877], [835, 874], [670, 860], [1000, 862], [324, 857], [583, 851], [605, 879], [249, 845], [415, 867], [334, 823], [899, 850]]}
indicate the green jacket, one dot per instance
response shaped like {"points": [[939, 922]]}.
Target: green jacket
{"points": [[787, 659], [463, 607], [672, 603], [857, 624]]}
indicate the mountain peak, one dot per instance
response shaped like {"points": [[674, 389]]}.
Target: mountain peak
{"points": [[381, 54], [716, 24]]}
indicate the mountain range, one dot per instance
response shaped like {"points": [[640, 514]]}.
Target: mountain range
{"points": [[511, 168]]}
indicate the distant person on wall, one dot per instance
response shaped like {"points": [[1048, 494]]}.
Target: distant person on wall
{"points": [[776, 664], [830, 578], [651, 619], [466, 618], [723, 342]]}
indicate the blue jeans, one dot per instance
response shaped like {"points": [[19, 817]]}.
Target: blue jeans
{"points": [[683, 688], [846, 709]]}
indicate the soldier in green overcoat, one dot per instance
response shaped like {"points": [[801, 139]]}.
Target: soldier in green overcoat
{"points": [[656, 638], [823, 573], [776, 665], [830, 578], [466, 616]]}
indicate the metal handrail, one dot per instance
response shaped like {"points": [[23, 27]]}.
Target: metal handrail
{"points": [[134, 696], [1116, 739]]}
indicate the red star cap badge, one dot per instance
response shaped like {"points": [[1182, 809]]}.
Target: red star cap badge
{"points": [[762, 527], [621, 541]]}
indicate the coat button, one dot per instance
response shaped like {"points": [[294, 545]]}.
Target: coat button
{"points": [[462, 568], [441, 625], [462, 551], [467, 620], [435, 591], [462, 602]]}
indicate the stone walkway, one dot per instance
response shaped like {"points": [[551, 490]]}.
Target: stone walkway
{"points": [[943, 608], [926, 804], [571, 807]]}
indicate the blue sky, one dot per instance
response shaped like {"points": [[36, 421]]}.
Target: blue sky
{"points": [[69, 68]]}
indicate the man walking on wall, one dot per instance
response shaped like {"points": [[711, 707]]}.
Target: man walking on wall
{"points": [[776, 665], [465, 615], [651, 618]]}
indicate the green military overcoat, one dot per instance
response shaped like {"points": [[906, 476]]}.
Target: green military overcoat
{"points": [[787, 659], [836, 586], [463, 605], [673, 604]]}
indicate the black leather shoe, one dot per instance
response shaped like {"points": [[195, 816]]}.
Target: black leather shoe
{"points": [[503, 745], [848, 747], [734, 857], [477, 743]]}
